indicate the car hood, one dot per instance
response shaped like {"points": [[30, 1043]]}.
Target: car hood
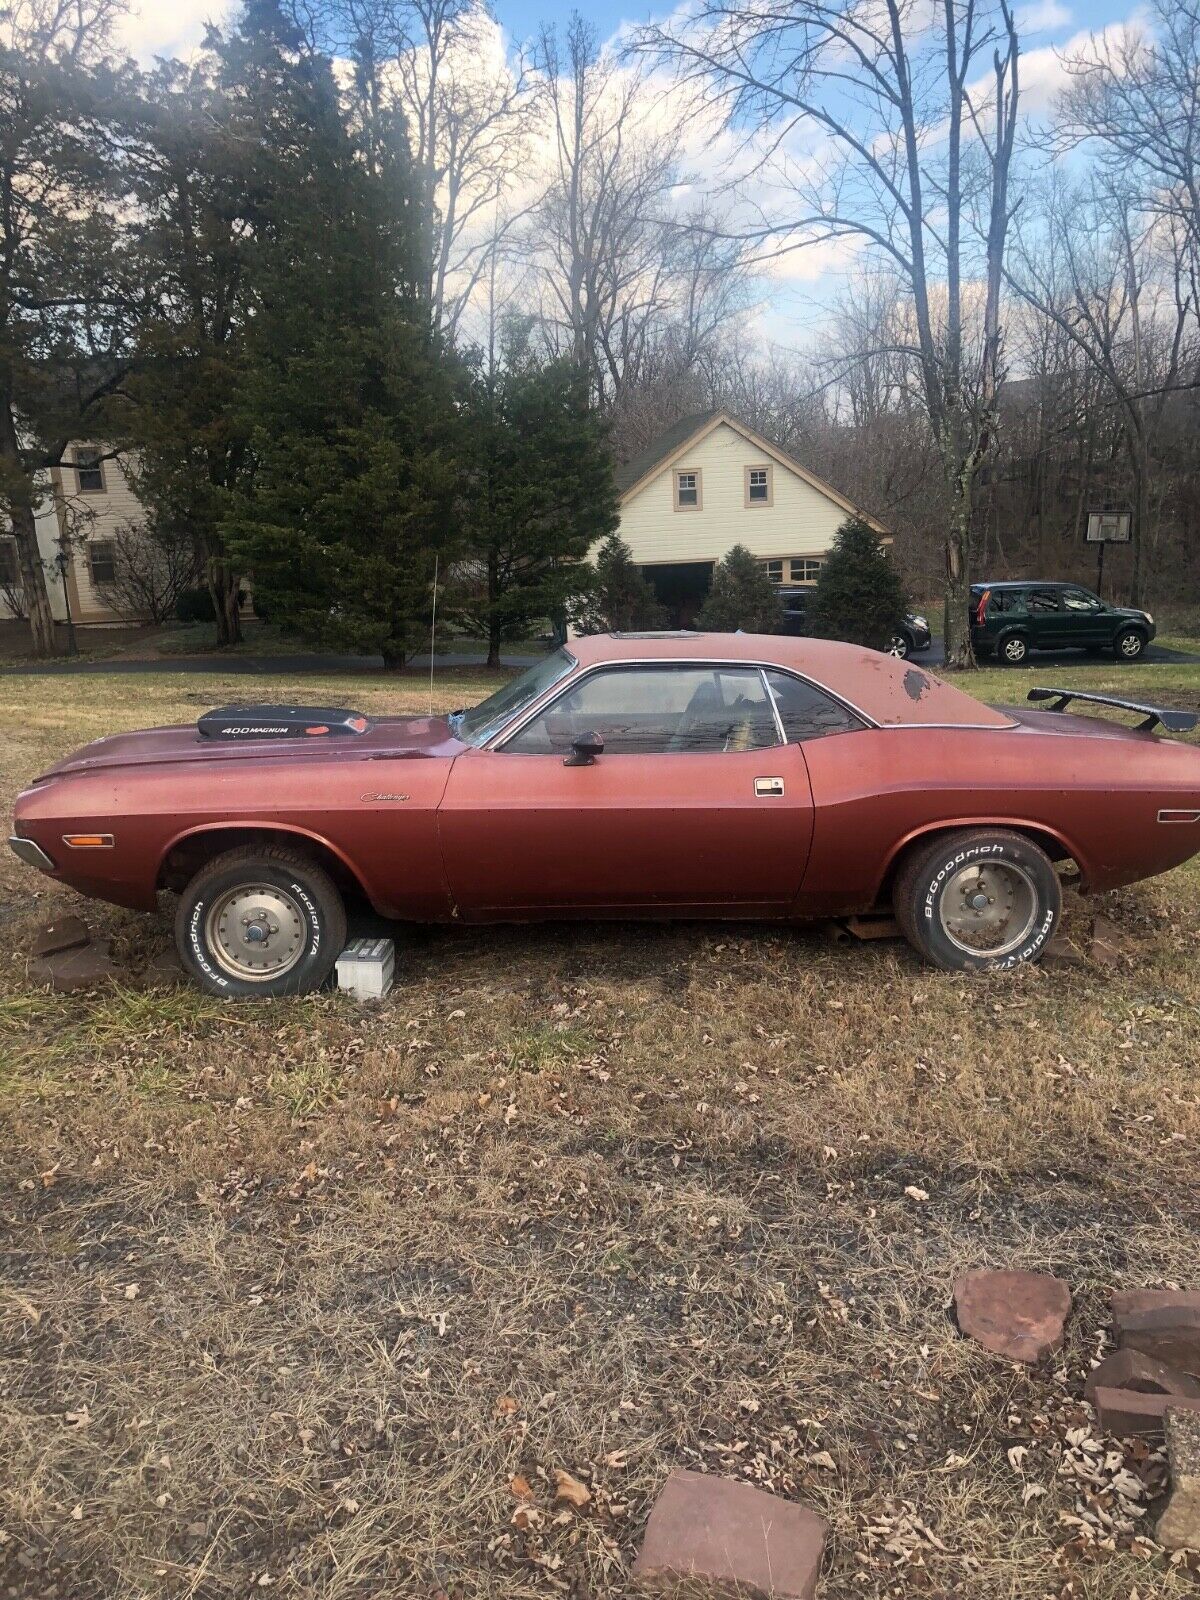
{"points": [[392, 737]]}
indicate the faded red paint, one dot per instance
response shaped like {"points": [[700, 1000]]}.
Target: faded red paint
{"points": [[433, 828]]}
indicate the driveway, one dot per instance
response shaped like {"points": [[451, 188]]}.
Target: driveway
{"points": [[935, 656]]}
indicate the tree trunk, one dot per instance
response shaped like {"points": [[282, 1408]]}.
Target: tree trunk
{"points": [[33, 581], [959, 651], [493, 656], [223, 586], [394, 655]]}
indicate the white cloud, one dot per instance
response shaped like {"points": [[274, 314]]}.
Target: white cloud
{"points": [[1041, 16], [169, 27]]}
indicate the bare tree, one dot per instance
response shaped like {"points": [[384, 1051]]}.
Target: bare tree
{"points": [[1112, 280], [151, 568], [913, 113], [1136, 93]]}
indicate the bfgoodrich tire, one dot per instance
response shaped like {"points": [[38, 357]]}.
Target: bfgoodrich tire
{"points": [[978, 898], [260, 921]]}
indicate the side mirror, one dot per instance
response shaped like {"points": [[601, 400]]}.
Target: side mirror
{"points": [[585, 749]]}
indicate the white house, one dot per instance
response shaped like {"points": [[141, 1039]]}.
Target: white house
{"points": [[88, 501], [711, 482]]}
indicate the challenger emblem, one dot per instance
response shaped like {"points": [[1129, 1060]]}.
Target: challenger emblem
{"points": [[371, 799]]}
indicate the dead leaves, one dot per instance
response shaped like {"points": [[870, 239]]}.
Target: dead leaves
{"points": [[569, 1489]]}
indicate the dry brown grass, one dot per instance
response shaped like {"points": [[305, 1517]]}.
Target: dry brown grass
{"points": [[297, 1289]]}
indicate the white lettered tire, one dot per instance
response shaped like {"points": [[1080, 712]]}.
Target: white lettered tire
{"points": [[978, 898], [260, 921]]}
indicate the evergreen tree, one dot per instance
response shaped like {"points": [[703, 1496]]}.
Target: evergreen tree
{"points": [[859, 596], [199, 172], [355, 419], [618, 598], [741, 597], [544, 494]]}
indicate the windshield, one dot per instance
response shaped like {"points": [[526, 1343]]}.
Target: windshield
{"points": [[479, 724]]}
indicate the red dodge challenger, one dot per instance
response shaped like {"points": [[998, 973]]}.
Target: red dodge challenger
{"points": [[629, 775]]}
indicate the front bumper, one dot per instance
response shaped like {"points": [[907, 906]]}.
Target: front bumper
{"points": [[31, 854]]}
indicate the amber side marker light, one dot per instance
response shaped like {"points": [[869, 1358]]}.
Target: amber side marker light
{"points": [[89, 841]]}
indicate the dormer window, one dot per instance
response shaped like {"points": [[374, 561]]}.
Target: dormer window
{"points": [[89, 469]]}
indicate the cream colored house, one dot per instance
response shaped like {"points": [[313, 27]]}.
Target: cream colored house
{"points": [[88, 504], [710, 482]]}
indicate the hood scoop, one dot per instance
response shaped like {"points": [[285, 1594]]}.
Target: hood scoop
{"points": [[236, 723]]}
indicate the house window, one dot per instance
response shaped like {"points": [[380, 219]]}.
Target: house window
{"points": [[760, 491], [687, 491], [774, 570], [90, 470], [804, 570], [102, 562], [9, 572]]}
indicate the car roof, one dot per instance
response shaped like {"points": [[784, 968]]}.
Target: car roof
{"points": [[1030, 583], [889, 691]]}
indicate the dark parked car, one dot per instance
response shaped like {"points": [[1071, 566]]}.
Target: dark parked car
{"points": [[1008, 620], [912, 634]]}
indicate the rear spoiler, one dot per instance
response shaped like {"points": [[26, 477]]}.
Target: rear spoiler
{"points": [[1173, 721]]}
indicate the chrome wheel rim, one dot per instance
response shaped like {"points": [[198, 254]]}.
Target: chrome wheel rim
{"points": [[1131, 645], [989, 909], [256, 932], [898, 646], [1015, 650]]}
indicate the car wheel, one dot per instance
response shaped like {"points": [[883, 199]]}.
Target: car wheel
{"points": [[1014, 650], [1130, 645], [899, 646], [978, 898], [260, 921]]}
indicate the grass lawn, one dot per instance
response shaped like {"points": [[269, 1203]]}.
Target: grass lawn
{"points": [[312, 1299]]}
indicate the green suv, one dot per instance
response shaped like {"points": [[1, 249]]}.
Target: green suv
{"points": [[1008, 620]]}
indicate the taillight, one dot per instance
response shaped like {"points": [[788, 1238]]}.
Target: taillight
{"points": [[981, 610]]}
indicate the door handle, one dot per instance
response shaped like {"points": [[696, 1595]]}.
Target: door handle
{"points": [[768, 788]]}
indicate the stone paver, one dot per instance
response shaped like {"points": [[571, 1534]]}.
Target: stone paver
{"points": [[1126, 1413], [1020, 1315], [1179, 1525], [81, 968], [64, 933], [1163, 1323], [1130, 1369], [732, 1537]]}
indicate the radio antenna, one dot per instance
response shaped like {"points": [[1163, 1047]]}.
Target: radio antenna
{"points": [[433, 630]]}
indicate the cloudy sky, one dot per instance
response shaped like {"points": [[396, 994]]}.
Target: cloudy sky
{"points": [[800, 284]]}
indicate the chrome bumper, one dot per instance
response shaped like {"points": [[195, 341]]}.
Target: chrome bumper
{"points": [[31, 854]]}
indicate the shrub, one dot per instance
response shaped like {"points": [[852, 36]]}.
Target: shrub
{"points": [[859, 596], [618, 597], [742, 596]]}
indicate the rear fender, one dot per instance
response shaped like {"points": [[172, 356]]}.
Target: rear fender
{"points": [[1056, 844]]}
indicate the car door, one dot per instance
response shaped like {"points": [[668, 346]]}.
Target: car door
{"points": [[695, 804], [1085, 622], [1047, 624]]}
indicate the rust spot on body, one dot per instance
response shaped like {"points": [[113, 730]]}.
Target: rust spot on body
{"points": [[916, 684]]}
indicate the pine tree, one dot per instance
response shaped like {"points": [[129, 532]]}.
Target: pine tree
{"points": [[544, 493], [741, 597], [859, 596], [618, 598], [356, 420]]}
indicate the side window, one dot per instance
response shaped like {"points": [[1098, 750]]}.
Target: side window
{"points": [[1043, 602], [1006, 602], [808, 712], [657, 711], [1080, 600]]}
